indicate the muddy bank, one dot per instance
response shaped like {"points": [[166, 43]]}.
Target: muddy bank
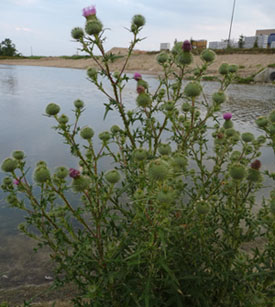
{"points": [[146, 63]]}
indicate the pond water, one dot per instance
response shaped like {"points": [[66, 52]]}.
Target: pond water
{"points": [[24, 93]]}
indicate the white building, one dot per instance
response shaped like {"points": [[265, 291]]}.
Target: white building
{"points": [[249, 41], [164, 46], [221, 45]]}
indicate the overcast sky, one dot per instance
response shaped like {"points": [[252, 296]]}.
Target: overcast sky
{"points": [[45, 25]]}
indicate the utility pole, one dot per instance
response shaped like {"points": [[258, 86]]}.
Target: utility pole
{"points": [[233, 10], [31, 50]]}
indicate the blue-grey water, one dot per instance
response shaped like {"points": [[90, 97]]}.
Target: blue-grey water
{"points": [[24, 93]]}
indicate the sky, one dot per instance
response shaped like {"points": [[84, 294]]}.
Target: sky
{"points": [[43, 27]]}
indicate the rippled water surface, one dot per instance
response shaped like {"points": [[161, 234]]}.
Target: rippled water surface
{"points": [[24, 93]]}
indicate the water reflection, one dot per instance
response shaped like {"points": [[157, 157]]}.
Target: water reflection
{"points": [[8, 80]]}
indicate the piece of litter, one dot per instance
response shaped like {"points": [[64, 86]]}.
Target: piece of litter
{"points": [[5, 276], [48, 277]]}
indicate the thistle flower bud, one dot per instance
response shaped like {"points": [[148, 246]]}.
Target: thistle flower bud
{"points": [[115, 129], [228, 124], [158, 170], [208, 55], [77, 33], [162, 57], [93, 27], [272, 206], [63, 119], [80, 184], [261, 139], [247, 137], [140, 154], [86, 133], [202, 208], [230, 132], [104, 136], [92, 73], [169, 106], [176, 85], [271, 129], [138, 21], [9, 165], [112, 176], [237, 172], [12, 199], [165, 197], [41, 163], [41, 174], [186, 46], [142, 83], [219, 97], [179, 161], [272, 116], [143, 100], [192, 89], [7, 181], [161, 92], [223, 70], [61, 172], [185, 107], [164, 149], [79, 104], [254, 175], [261, 121], [233, 68], [52, 109], [18, 155], [184, 58]]}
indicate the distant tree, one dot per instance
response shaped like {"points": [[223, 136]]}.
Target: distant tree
{"points": [[7, 48], [241, 41]]}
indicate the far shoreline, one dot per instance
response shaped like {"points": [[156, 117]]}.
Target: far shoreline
{"points": [[249, 64]]}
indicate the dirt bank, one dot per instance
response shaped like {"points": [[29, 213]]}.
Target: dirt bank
{"points": [[146, 63]]}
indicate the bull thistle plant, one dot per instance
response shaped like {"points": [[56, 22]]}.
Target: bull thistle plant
{"points": [[175, 222]]}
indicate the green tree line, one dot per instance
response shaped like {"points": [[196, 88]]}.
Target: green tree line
{"points": [[7, 48]]}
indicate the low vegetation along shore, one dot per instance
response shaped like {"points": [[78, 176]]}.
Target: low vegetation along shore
{"points": [[145, 62]]}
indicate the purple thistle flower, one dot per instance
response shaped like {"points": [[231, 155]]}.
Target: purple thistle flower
{"points": [[137, 76], [16, 181], [74, 173], [227, 116], [88, 11], [256, 164], [187, 46]]}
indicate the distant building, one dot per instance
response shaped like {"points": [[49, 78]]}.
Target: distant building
{"points": [[223, 44], [260, 41], [164, 46], [200, 44], [270, 33], [265, 32]]}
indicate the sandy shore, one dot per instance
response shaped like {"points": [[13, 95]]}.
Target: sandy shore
{"points": [[146, 63]]}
